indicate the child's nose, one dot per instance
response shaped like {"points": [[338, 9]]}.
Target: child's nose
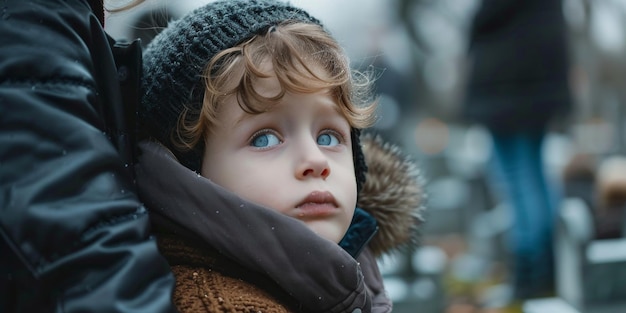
{"points": [[314, 163], [316, 171]]}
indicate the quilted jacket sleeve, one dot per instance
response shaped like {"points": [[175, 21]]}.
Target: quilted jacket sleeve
{"points": [[73, 235]]}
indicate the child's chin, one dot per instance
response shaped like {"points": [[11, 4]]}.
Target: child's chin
{"points": [[327, 230]]}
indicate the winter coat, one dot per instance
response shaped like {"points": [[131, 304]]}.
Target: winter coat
{"points": [[228, 254], [73, 235], [519, 63]]}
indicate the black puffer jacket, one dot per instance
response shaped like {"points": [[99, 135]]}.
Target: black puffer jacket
{"points": [[73, 235]]}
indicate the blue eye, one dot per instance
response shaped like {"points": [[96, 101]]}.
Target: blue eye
{"points": [[264, 140], [327, 140]]}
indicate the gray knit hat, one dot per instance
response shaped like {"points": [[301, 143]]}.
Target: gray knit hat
{"points": [[175, 60]]}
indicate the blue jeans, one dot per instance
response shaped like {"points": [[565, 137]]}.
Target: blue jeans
{"points": [[518, 173]]}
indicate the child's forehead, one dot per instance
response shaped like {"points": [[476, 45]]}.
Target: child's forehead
{"points": [[268, 86]]}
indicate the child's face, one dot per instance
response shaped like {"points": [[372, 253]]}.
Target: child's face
{"points": [[295, 158]]}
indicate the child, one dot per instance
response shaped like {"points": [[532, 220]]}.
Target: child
{"points": [[257, 102]]}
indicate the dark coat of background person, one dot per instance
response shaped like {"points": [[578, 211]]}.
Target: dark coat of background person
{"points": [[518, 67], [73, 235]]}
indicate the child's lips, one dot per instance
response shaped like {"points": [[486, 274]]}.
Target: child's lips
{"points": [[317, 204]]}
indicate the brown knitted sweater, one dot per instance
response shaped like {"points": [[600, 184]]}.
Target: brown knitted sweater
{"points": [[208, 282]]}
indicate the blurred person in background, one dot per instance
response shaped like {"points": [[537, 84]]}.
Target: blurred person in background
{"points": [[517, 88], [74, 237]]}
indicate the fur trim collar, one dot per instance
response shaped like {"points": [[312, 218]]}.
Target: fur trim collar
{"points": [[393, 193]]}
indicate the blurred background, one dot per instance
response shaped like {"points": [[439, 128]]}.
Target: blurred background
{"points": [[419, 48]]}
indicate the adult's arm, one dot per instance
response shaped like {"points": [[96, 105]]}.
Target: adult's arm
{"points": [[73, 235]]}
